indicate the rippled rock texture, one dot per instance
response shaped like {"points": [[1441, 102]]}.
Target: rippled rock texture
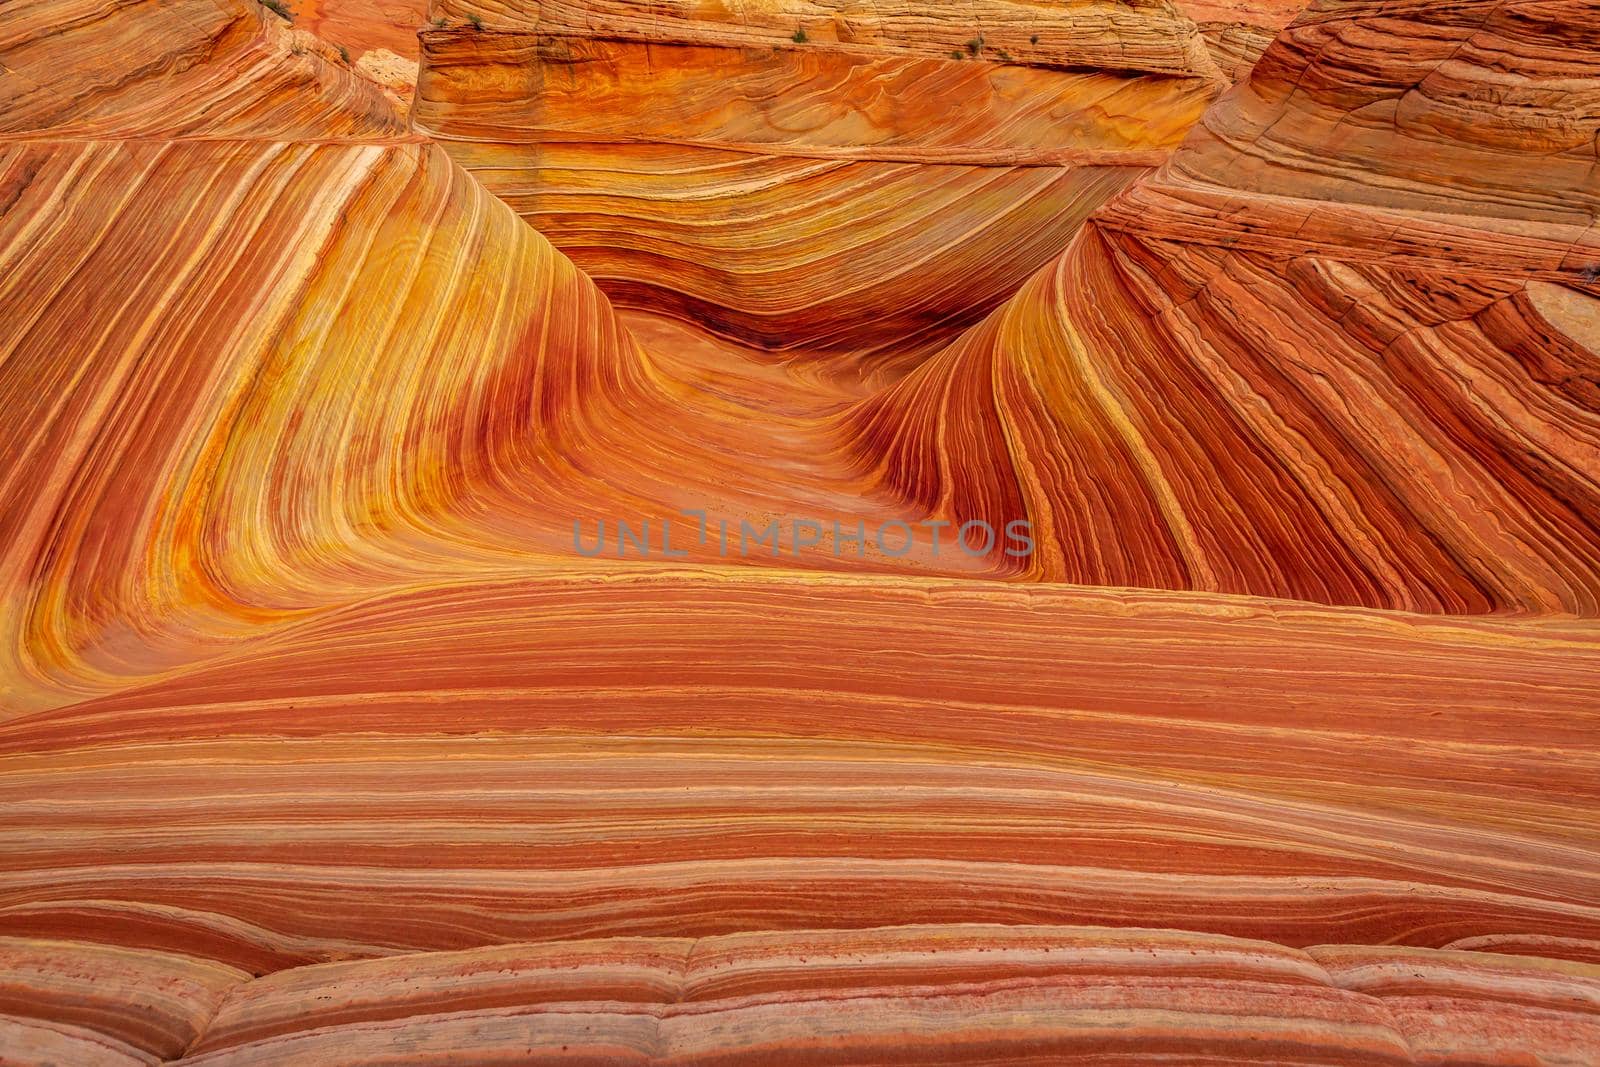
{"points": [[1340, 349], [842, 177], [324, 741]]}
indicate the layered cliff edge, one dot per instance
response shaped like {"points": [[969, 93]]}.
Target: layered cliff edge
{"points": [[852, 179]]}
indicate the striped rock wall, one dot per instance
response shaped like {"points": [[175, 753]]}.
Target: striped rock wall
{"points": [[320, 743]]}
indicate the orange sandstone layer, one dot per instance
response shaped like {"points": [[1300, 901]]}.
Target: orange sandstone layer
{"points": [[1484, 109], [957, 994], [320, 744], [871, 192], [1341, 349], [703, 752], [83, 70], [318, 364]]}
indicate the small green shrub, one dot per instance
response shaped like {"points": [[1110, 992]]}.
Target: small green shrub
{"points": [[958, 55], [1034, 39], [800, 36], [975, 45], [278, 8], [1005, 56], [344, 53], [438, 23], [477, 23]]}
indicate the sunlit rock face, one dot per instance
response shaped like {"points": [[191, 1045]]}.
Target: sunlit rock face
{"points": [[324, 741], [841, 177]]}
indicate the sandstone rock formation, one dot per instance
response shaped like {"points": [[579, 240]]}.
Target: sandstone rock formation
{"points": [[1339, 350], [322, 743], [812, 176], [916, 992], [209, 69]]}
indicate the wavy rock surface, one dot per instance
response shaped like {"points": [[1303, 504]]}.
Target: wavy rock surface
{"points": [[980, 993], [140, 473], [211, 68], [322, 744], [879, 184], [613, 754], [1357, 374]]}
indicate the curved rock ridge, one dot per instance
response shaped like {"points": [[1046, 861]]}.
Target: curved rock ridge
{"points": [[704, 752], [323, 741], [204, 68], [163, 504], [803, 195], [1484, 108], [236, 256], [319, 364], [71, 1002], [1017, 994], [1365, 390], [1180, 416]]}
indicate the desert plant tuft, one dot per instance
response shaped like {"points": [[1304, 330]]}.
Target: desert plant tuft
{"points": [[1034, 39], [1005, 57], [438, 23], [477, 23], [975, 45], [278, 8], [344, 53], [800, 36], [958, 55]]}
